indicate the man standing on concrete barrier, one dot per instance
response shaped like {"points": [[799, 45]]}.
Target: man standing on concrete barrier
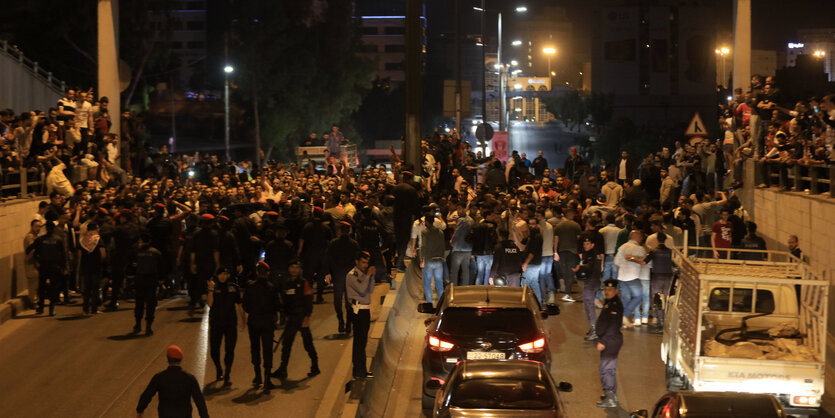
{"points": [[359, 286]]}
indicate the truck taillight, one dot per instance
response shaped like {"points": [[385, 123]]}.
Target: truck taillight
{"points": [[437, 344], [805, 400], [535, 346]]}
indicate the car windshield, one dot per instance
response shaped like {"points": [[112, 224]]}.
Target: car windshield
{"points": [[479, 321], [502, 394]]}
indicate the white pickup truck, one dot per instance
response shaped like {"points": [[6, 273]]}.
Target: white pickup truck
{"points": [[748, 326]]}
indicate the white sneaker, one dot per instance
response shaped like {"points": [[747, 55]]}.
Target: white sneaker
{"points": [[644, 321], [551, 297], [626, 323], [637, 322], [568, 298]]}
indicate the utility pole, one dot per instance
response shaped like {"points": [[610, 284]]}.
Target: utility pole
{"points": [[501, 74], [108, 59], [413, 91], [483, 64], [458, 98]]}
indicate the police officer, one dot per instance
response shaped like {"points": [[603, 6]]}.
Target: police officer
{"points": [[359, 285], [205, 247], [297, 298], [225, 301], [176, 388], [261, 303], [507, 262], [589, 270], [125, 237], [51, 259], [161, 229], [342, 254], [608, 330], [312, 247], [148, 278]]}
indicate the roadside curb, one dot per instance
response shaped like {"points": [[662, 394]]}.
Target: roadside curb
{"points": [[13, 307]]}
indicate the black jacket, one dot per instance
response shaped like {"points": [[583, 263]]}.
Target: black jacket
{"points": [[261, 302], [608, 326], [662, 261], [176, 389], [297, 296], [483, 238], [507, 259]]}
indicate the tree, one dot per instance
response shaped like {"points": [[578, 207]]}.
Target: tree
{"points": [[300, 60]]}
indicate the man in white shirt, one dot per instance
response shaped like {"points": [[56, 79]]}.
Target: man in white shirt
{"points": [[546, 280], [610, 239], [419, 226], [628, 259]]}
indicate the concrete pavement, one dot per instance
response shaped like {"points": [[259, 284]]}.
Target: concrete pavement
{"points": [[72, 365], [551, 138]]}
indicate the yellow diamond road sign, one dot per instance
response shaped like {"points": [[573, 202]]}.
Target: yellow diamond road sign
{"points": [[697, 126]]}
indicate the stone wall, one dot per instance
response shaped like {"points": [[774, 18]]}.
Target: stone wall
{"points": [[14, 224]]}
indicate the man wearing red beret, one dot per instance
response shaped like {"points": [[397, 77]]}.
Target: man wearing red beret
{"points": [[176, 388]]}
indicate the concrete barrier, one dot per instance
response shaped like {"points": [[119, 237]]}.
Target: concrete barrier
{"points": [[375, 399], [17, 279]]}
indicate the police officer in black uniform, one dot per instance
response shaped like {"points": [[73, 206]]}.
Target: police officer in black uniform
{"points": [[206, 249], [51, 257], [125, 237], [261, 303], [226, 310], [608, 330], [297, 298], [148, 278], [342, 251], [176, 387]]}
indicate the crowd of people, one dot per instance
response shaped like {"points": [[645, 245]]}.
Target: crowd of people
{"points": [[777, 131], [152, 225]]}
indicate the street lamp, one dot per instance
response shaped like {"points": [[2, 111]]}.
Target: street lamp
{"points": [[549, 51], [723, 52], [820, 54], [516, 43], [502, 72], [228, 69], [514, 63]]}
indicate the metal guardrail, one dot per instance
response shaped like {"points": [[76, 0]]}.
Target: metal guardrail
{"points": [[816, 179], [317, 154], [33, 67], [20, 183]]}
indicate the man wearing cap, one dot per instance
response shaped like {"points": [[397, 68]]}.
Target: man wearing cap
{"points": [[205, 248], [261, 303], [148, 278], [225, 302], [342, 254], [359, 286], [610, 340], [297, 298], [176, 389]]}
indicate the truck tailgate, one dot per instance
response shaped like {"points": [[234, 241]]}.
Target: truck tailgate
{"points": [[758, 376]]}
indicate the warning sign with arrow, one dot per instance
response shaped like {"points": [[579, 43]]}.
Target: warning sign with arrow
{"points": [[696, 127]]}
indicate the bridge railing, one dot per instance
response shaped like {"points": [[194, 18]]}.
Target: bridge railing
{"points": [[33, 67]]}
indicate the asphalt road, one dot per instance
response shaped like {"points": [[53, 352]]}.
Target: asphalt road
{"points": [[640, 370], [75, 366]]}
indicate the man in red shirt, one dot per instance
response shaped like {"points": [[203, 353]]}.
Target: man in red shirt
{"points": [[721, 234]]}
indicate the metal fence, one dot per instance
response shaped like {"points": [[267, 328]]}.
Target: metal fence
{"points": [[21, 183], [34, 68], [813, 179]]}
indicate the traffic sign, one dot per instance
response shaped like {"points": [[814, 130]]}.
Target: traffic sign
{"points": [[484, 132], [500, 146], [696, 127]]}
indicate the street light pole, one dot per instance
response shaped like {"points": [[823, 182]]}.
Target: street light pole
{"points": [[228, 69], [501, 76]]}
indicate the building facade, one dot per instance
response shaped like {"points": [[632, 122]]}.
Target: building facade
{"points": [[384, 42]]}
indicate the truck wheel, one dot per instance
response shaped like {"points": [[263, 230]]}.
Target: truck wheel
{"points": [[673, 380]]}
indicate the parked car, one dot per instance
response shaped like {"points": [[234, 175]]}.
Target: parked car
{"points": [[481, 323], [689, 404], [499, 388]]}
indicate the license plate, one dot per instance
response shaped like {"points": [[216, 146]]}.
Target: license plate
{"points": [[485, 355]]}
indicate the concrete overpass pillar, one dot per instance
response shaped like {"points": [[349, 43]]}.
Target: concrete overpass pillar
{"points": [[108, 59], [742, 44]]}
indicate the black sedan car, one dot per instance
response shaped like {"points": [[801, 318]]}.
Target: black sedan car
{"points": [[499, 388], [481, 323], [689, 404]]}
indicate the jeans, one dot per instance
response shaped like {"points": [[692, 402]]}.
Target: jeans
{"points": [[631, 294], [660, 284], [568, 260], [610, 270], [546, 282], [590, 289], [432, 269], [459, 261], [644, 305], [531, 278], [483, 263]]}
